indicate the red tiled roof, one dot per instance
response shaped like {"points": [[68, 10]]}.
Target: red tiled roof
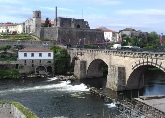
{"points": [[43, 21], [7, 24], [105, 29], [39, 49]]}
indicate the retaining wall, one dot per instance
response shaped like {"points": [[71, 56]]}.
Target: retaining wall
{"points": [[10, 111]]}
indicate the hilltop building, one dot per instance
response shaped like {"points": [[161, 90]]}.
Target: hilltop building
{"points": [[132, 32], [109, 35], [63, 30], [11, 28]]}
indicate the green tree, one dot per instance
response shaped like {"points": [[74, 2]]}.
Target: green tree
{"points": [[152, 40], [47, 23], [5, 48], [125, 40], [135, 41], [61, 60]]}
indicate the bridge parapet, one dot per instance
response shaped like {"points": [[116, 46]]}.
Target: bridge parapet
{"points": [[131, 54]]}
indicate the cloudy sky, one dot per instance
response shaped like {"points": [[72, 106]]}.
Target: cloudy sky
{"points": [[144, 15]]}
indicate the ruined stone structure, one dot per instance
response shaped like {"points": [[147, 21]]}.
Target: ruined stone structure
{"points": [[69, 28], [125, 69]]}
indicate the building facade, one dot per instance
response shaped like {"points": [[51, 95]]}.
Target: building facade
{"points": [[11, 28], [36, 60], [109, 35], [32, 24], [63, 29], [132, 32]]}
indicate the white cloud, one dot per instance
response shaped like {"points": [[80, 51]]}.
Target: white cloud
{"points": [[144, 12], [53, 9]]}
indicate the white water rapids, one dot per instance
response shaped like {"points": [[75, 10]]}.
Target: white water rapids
{"points": [[61, 86]]}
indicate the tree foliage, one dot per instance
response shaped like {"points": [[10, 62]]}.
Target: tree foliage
{"points": [[152, 41], [61, 60], [47, 23], [5, 48]]}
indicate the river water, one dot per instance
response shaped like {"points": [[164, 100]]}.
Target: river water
{"points": [[49, 98]]}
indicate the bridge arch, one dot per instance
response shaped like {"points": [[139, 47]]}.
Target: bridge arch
{"points": [[136, 79], [124, 67], [148, 63], [95, 68]]}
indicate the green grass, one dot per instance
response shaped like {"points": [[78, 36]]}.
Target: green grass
{"points": [[9, 73], [17, 37], [21, 108], [8, 59]]}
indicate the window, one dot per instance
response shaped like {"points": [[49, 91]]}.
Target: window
{"points": [[32, 61], [40, 61], [32, 65], [49, 54], [32, 54], [40, 54], [25, 54]]}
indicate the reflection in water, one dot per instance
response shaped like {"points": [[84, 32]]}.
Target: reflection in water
{"points": [[154, 85]]}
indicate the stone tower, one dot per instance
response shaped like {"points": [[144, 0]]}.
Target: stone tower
{"points": [[36, 20]]}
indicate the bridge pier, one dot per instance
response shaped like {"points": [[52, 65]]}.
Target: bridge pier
{"points": [[80, 69], [116, 78]]}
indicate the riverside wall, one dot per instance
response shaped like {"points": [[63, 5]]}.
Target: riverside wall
{"points": [[10, 111]]}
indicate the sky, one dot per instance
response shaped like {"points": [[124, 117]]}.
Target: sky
{"points": [[144, 15]]}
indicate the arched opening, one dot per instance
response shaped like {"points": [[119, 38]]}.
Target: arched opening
{"points": [[147, 80], [49, 69], [41, 70], [97, 74], [97, 68]]}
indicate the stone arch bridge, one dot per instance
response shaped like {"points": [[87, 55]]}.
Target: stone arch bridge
{"points": [[125, 68]]}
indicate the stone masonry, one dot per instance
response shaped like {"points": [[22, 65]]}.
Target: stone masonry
{"points": [[125, 69]]}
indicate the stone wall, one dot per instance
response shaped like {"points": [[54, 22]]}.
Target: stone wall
{"points": [[25, 43], [64, 34], [10, 110], [125, 68], [75, 34], [29, 66]]}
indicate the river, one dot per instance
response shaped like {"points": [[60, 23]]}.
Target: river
{"points": [[49, 98]]}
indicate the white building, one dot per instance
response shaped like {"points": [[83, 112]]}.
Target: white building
{"points": [[109, 35], [35, 53], [11, 27], [36, 60]]}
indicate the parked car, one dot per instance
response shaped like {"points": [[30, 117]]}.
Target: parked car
{"points": [[136, 48]]}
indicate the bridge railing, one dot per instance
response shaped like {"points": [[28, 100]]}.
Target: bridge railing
{"points": [[156, 50]]}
